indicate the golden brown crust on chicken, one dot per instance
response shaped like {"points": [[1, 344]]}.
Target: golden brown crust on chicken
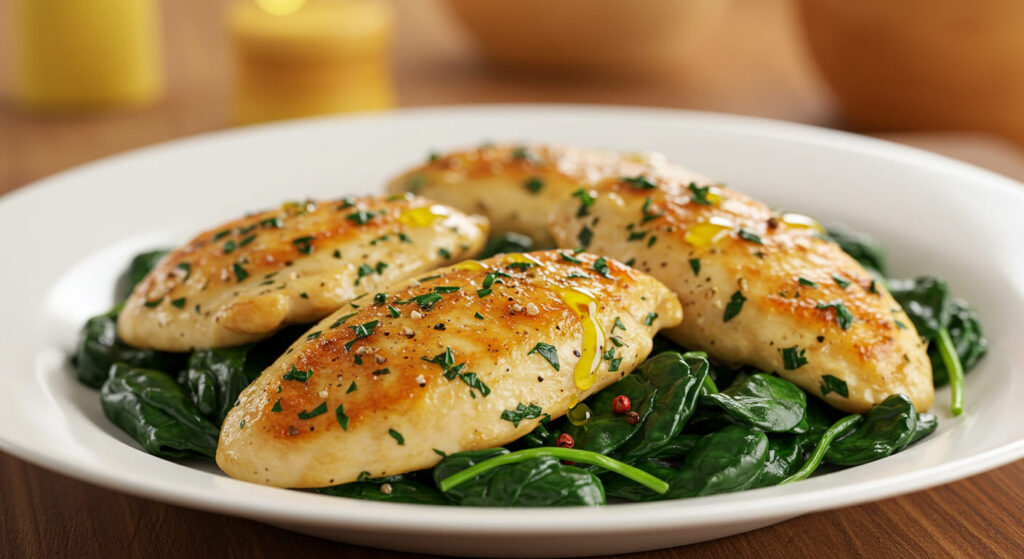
{"points": [[433, 363], [799, 305], [244, 280], [516, 186]]}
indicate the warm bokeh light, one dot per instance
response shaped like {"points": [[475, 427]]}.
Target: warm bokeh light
{"points": [[280, 7]]}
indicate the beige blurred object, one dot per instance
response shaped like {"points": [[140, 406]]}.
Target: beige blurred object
{"points": [[922, 64], [589, 36]]}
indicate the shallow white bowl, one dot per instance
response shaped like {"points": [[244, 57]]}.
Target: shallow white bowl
{"points": [[67, 237]]}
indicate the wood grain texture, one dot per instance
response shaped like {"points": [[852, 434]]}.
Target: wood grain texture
{"points": [[757, 68]]}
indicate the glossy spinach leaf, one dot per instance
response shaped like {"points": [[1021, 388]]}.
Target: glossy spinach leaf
{"points": [[141, 265], [537, 482], [215, 377], [927, 302], [727, 460], [886, 428], [762, 401], [607, 431], [678, 447], [155, 410], [679, 378], [540, 436], [507, 243], [625, 488], [926, 425], [405, 488], [968, 340], [99, 347], [786, 453], [862, 247]]}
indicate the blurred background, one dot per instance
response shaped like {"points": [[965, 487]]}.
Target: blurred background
{"points": [[80, 79]]}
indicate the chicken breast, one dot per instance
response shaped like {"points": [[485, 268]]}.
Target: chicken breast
{"points": [[516, 187], [471, 357], [246, 279], [758, 288]]}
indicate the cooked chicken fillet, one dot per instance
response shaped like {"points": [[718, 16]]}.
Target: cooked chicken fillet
{"points": [[516, 187], [758, 288], [244, 280], [471, 357]]}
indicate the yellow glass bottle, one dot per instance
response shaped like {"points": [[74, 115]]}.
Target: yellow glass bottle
{"points": [[298, 58], [73, 55]]}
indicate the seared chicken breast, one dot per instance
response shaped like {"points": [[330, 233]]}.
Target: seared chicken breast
{"points": [[472, 356], [758, 288], [516, 187], [242, 281]]}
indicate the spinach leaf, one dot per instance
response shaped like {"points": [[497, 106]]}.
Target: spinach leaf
{"points": [[607, 431], [679, 379], [968, 340], [625, 488], [538, 482], [886, 429], [679, 446], [540, 436], [762, 401], [99, 347], [503, 244], [727, 460], [927, 302], [785, 456], [926, 425], [141, 265], [405, 488], [863, 248], [155, 410], [837, 429]]}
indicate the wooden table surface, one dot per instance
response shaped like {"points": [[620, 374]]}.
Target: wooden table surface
{"points": [[760, 70]]}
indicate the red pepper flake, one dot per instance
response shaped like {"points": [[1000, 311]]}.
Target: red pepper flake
{"points": [[621, 404], [632, 418], [565, 440]]}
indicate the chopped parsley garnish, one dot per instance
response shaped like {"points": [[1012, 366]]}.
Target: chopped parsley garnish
{"points": [[618, 324], [700, 194], [188, 270], [380, 372], [601, 267], [446, 361], [639, 182], [734, 306], [548, 352], [521, 152], [695, 266], [648, 214], [521, 413], [363, 271], [446, 289], [577, 275], [425, 301], [221, 234], [793, 358], [843, 316], [586, 200], [240, 272], [277, 406], [295, 374], [360, 217], [397, 436], [339, 414], [404, 238], [569, 258], [830, 383], [352, 388], [520, 265], [394, 312], [151, 304], [649, 318], [478, 315], [873, 289], [900, 325], [807, 282], [636, 235], [346, 203], [314, 335], [272, 222], [585, 236], [341, 319], [322, 408], [336, 253], [616, 341], [841, 281], [363, 330], [534, 184], [652, 240], [444, 253], [247, 240], [304, 244], [749, 236], [380, 267]]}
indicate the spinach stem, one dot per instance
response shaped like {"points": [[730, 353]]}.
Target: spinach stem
{"points": [[956, 370], [837, 428], [576, 455], [709, 385]]}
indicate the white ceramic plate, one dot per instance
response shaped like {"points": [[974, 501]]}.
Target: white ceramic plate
{"points": [[67, 237]]}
